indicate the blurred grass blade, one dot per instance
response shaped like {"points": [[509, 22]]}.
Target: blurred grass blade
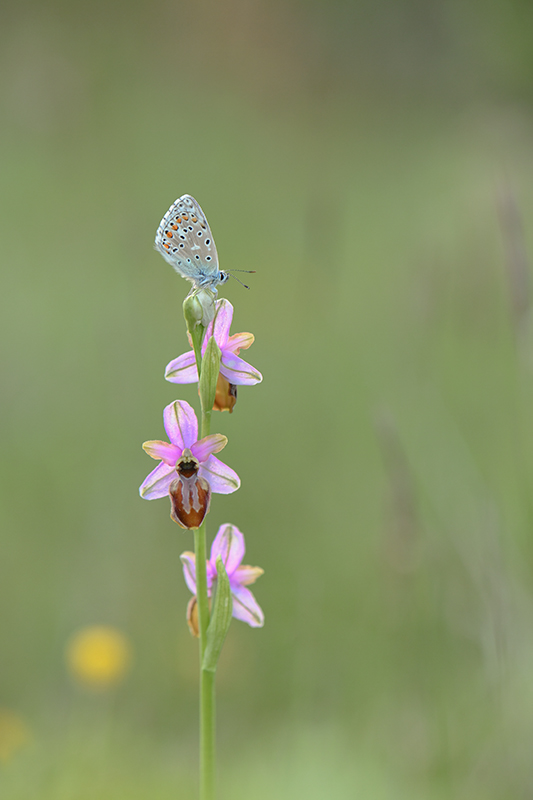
{"points": [[516, 258]]}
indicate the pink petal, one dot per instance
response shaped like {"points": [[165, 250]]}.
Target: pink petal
{"points": [[245, 606], [213, 443], [238, 371], [182, 369], [221, 478], [181, 424], [239, 341], [222, 322], [246, 575], [169, 453], [212, 574], [229, 545], [157, 483], [189, 570]]}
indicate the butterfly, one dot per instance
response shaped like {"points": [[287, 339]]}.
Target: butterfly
{"points": [[184, 239]]}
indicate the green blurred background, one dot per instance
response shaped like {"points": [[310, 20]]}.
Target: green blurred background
{"points": [[373, 162]]}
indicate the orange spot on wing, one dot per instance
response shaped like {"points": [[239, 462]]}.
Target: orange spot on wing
{"points": [[166, 245], [178, 220], [194, 219], [174, 227], [169, 234], [185, 217]]}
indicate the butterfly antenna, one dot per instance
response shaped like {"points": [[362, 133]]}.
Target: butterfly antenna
{"points": [[238, 281], [230, 272]]}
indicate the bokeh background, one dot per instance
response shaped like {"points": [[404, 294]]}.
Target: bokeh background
{"points": [[373, 162]]}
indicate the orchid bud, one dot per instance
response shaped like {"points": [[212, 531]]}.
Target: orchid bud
{"points": [[207, 384], [225, 396], [199, 308], [190, 494], [192, 311]]}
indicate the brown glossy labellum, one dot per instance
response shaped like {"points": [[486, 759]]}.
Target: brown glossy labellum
{"points": [[189, 493]]}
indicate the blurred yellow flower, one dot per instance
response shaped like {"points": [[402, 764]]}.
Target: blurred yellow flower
{"points": [[14, 734], [98, 656]]}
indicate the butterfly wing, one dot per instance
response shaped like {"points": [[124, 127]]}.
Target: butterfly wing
{"points": [[184, 239]]}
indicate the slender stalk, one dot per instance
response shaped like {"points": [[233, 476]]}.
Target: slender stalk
{"points": [[207, 735], [207, 684], [207, 679], [201, 585]]}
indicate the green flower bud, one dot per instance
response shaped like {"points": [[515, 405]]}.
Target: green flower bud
{"points": [[199, 308], [192, 311]]}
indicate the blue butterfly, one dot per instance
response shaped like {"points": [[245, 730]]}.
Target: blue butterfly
{"points": [[184, 239]]}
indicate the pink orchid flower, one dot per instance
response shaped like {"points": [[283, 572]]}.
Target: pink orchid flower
{"points": [[229, 545], [181, 426], [234, 369]]}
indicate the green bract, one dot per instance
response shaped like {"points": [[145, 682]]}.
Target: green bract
{"points": [[209, 374], [220, 619]]}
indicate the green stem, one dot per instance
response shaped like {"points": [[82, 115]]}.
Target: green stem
{"points": [[201, 585], [207, 735], [207, 679], [207, 682]]}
